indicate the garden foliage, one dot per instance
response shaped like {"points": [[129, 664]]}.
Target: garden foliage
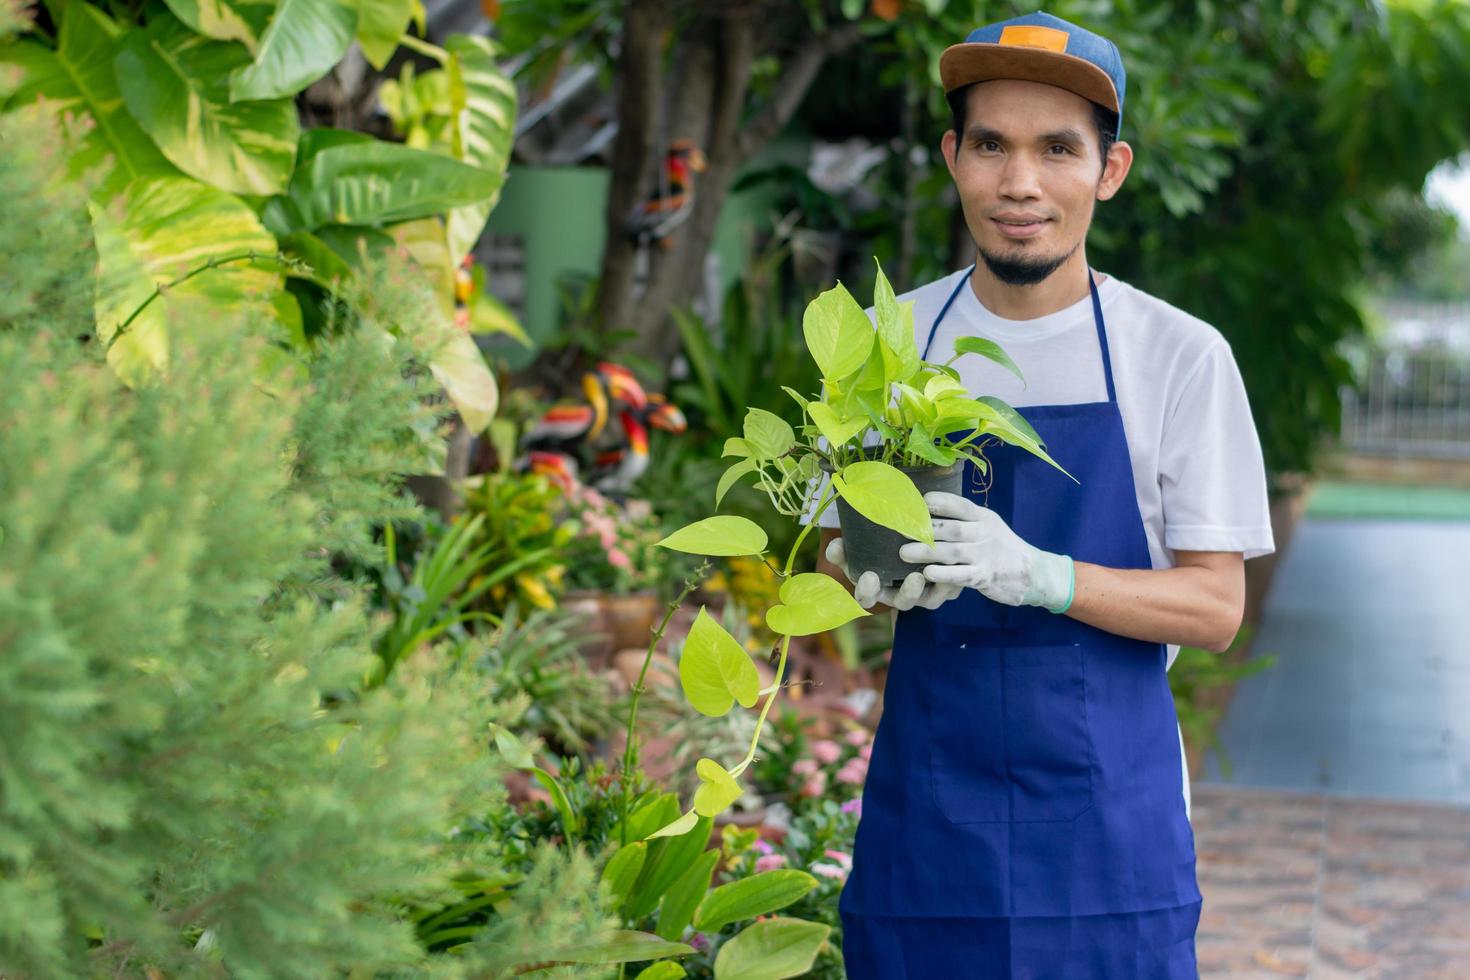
{"points": [[193, 779], [210, 187]]}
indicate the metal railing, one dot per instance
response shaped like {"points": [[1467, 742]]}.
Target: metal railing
{"points": [[1413, 402]]}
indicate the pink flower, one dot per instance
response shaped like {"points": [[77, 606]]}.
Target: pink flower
{"points": [[699, 941], [803, 767], [854, 805], [593, 497], [866, 752], [827, 870], [770, 862], [607, 539], [826, 751], [843, 859], [858, 736], [763, 845], [815, 785], [638, 510], [853, 773], [617, 559]]}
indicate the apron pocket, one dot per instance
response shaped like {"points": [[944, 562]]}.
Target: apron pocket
{"points": [[1008, 733]]}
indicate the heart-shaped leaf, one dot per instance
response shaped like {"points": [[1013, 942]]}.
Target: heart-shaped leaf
{"points": [[767, 434], [724, 535], [800, 399], [837, 430], [662, 970], [838, 333], [941, 385], [813, 603], [714, 670], [717, 788], [885, 496], [990, 349]]}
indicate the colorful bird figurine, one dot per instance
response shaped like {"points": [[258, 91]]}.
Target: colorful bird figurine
{"points": [[571, 431], [673, 200]]}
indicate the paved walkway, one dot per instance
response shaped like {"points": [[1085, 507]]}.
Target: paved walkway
{"points": [[1340, 847], [1369, 621], [1330, 887]]}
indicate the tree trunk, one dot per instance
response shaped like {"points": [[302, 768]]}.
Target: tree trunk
{"points": [[640, 64], [708, 104]]}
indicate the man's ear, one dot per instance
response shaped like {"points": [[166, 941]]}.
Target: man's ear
{"points": [[1120, 159], [947, 147]]}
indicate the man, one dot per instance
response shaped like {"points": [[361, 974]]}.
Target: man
{"points": [[1025, 813]]}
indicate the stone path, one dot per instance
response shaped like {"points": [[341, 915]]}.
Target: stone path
{"points": [[1330, 887], [1340, 846]]}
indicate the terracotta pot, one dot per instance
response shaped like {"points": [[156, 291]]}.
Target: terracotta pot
{"points": [[873, 547], [629, 619]]}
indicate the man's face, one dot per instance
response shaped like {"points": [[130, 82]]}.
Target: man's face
{"points": [[1028, 171]]}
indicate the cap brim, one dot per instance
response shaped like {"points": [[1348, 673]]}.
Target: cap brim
{"points": [[961, 64]]}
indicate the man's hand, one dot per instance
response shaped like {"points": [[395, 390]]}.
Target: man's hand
{"points": [[979, 550], [916, 590]]}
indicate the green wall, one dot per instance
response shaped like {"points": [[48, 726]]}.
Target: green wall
{"points": [[557, 212]]}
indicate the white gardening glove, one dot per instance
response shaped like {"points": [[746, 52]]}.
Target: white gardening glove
{"points": [[916, 590], [975, 547]]}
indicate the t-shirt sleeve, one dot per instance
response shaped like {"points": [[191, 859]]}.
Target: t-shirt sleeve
{"points": [[1212, 477]]}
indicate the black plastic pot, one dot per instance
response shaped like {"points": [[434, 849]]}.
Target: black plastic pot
{"points": [[873, 547]]}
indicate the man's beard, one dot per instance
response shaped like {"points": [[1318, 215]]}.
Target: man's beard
{"points": [[1023, 270]]}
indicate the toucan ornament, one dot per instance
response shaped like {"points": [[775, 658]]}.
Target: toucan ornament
{"points": [[571, 434], [672, 202]]}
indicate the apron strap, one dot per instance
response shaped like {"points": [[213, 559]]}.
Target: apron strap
{"points": [[1097, 319]]}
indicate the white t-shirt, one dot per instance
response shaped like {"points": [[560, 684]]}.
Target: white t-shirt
{"points": [[1197, 464]]}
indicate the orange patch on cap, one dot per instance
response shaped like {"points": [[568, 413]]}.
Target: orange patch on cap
{"points": [[1030, 36]]}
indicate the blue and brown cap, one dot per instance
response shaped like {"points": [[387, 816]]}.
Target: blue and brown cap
{"points": [[1039, 48]]}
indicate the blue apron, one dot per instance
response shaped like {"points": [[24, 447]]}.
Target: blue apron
{"points": [[1023, 814]]}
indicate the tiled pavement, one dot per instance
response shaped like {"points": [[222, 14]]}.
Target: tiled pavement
{"points": [[1330, 887], [1341, 846]]}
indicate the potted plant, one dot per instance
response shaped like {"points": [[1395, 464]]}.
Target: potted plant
{"points": [[612, 558], [873, 379]]}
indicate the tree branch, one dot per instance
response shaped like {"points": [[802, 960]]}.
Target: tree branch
{"points": [[800, 70]]}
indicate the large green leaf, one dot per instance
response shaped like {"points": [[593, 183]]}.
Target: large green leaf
{"points": [[304, 39], [771, 950], [174, 83], [453, 356], [380, 23], [224, 20], [668, 858], [374, 182], [724, 535], [812, 603], [732, 476], [157, 231], [885, 496], [838, 333], [484, 115], [77, 78], [624, 946], [662, 970], [750, 897], [714, 670], [685, 894]]}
